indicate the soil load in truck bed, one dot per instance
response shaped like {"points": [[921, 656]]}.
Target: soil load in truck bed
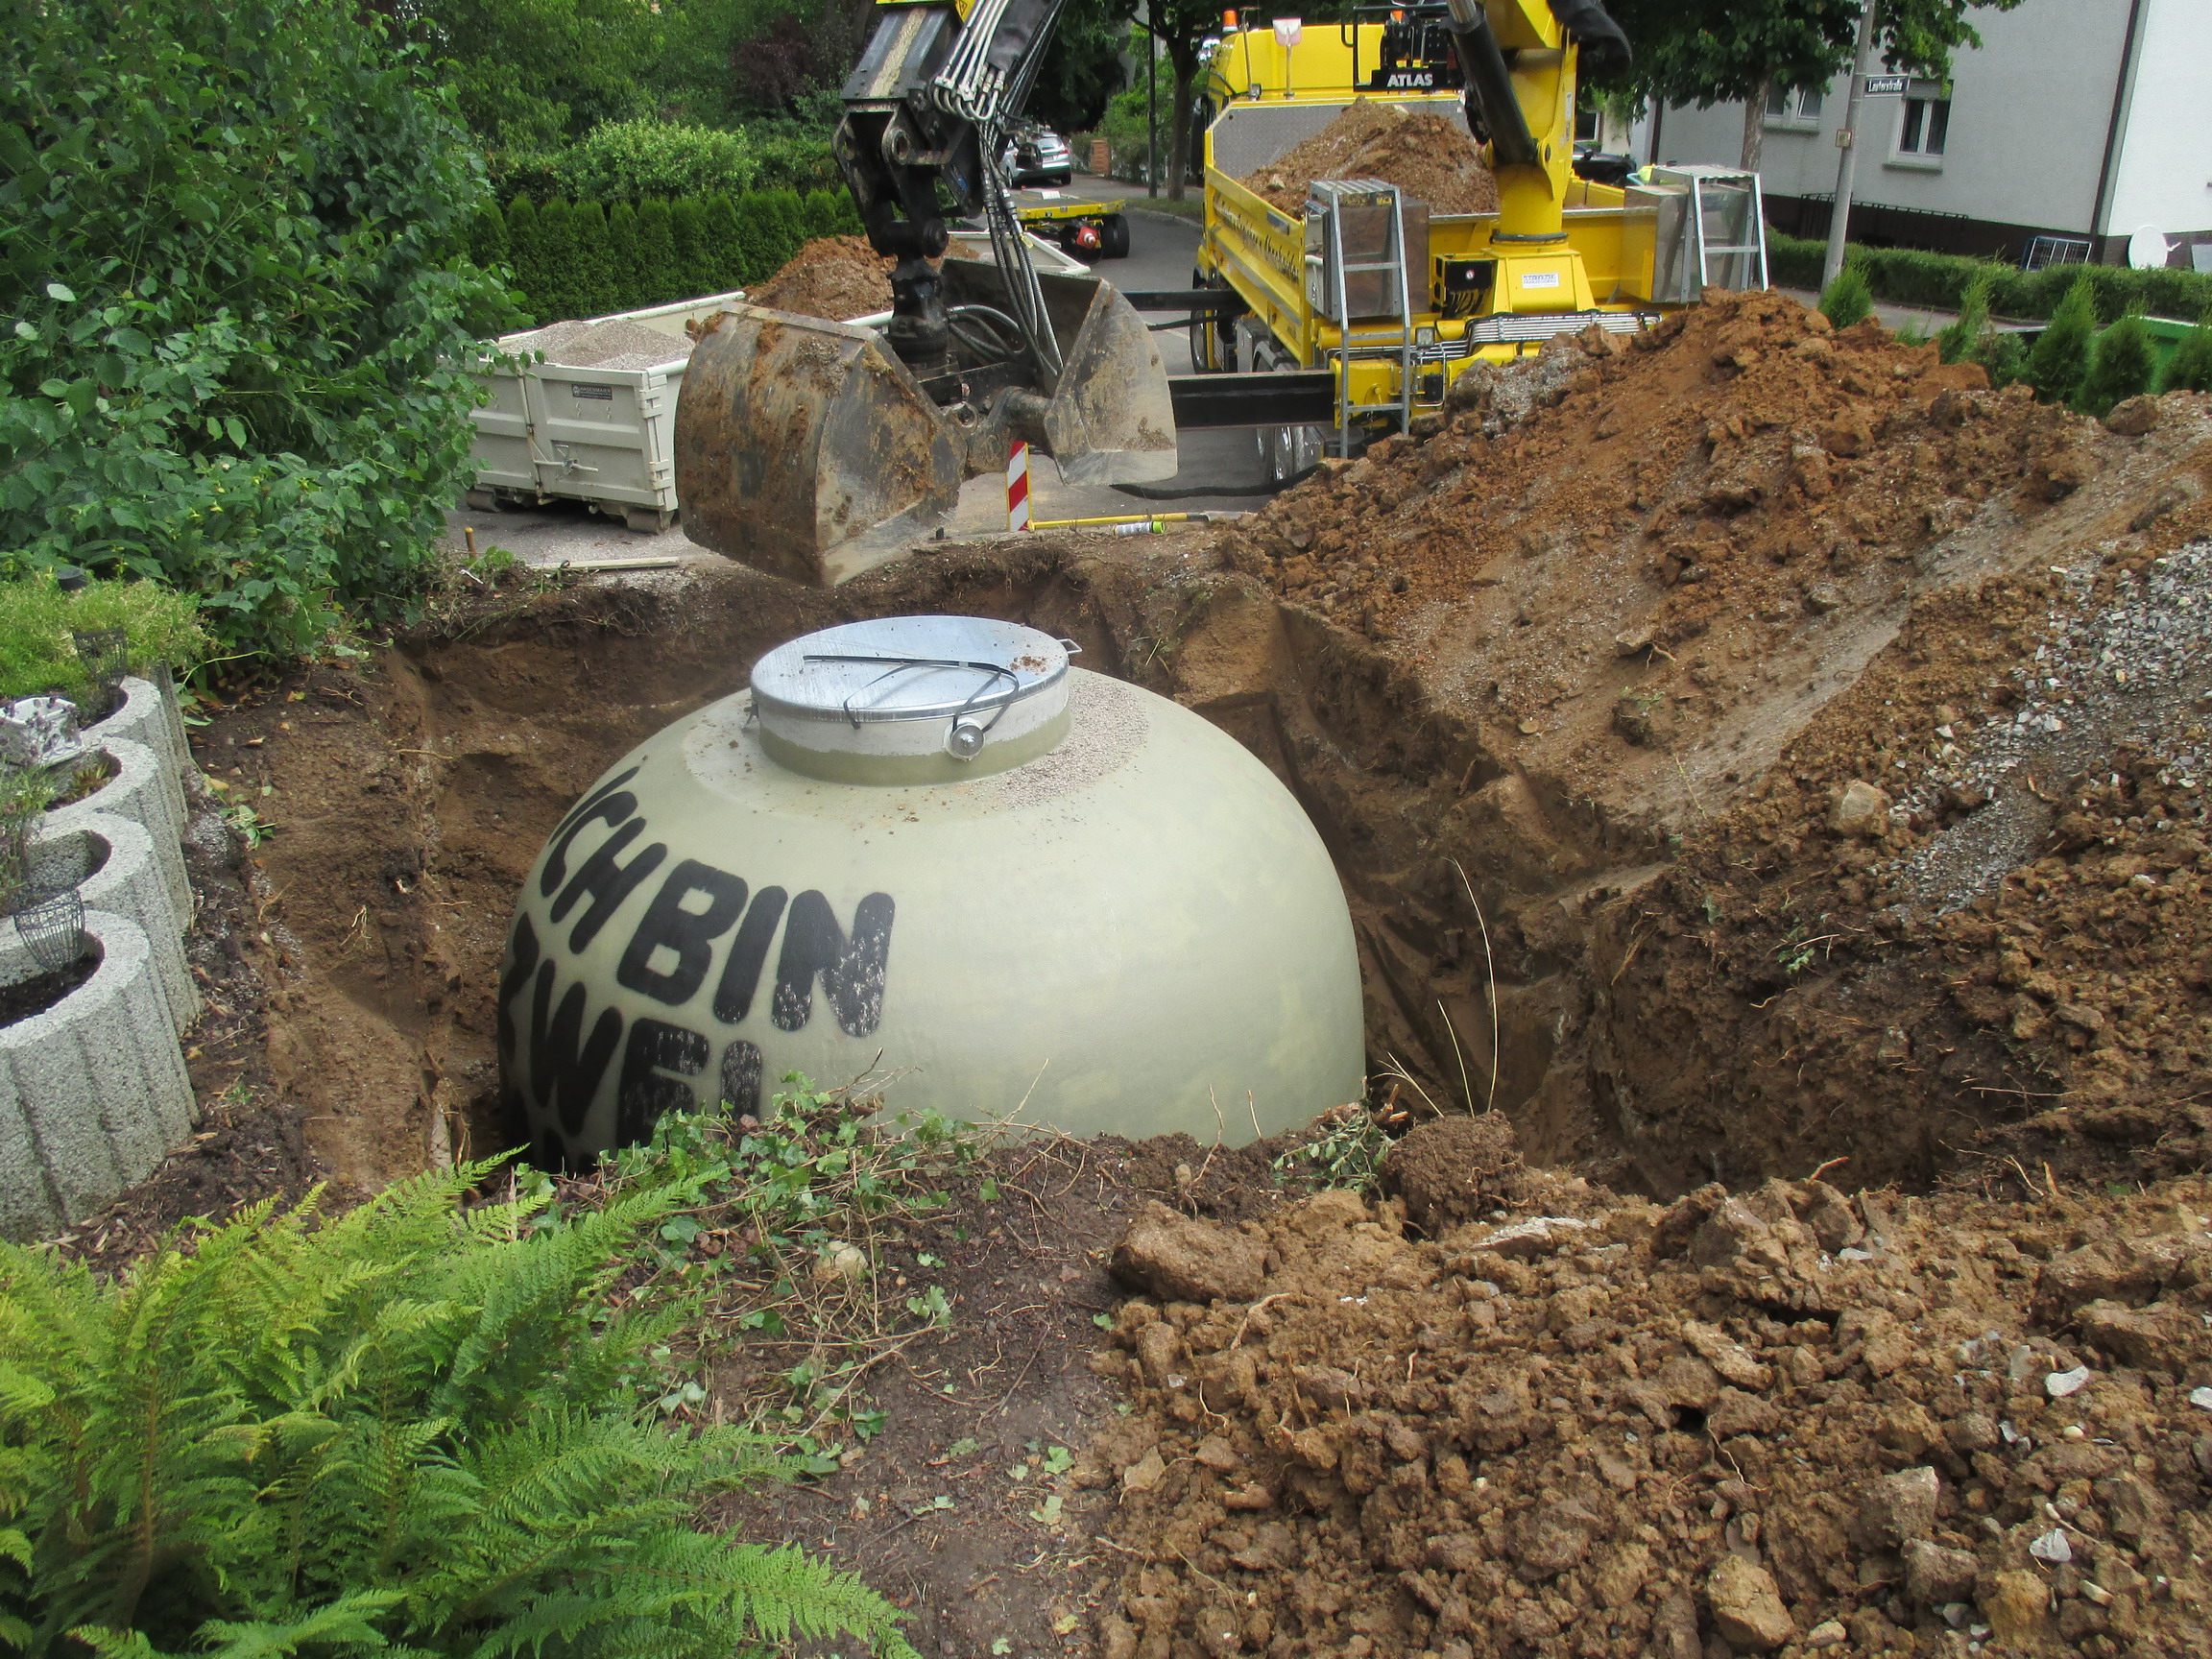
{"points": [[1430, 157], [837, 277]]}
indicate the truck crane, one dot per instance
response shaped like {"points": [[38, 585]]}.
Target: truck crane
{"points": [[817, 450]]}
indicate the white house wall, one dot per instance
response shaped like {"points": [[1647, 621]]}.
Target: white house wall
{"points": [[2029, 111], [2163, 175]]}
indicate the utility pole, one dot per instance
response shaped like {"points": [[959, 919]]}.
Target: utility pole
{"points": [[1848, 141]]}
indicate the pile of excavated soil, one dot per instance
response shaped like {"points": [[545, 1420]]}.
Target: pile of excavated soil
{"points": [[1666, 608], [1580, 1425], [839, 278], [1428, 157]]}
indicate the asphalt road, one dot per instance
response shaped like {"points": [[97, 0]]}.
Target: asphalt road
{"points": [[1218, 470]]}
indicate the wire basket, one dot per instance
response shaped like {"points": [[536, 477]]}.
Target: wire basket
{"points": [[106, 653], [52, 930]]}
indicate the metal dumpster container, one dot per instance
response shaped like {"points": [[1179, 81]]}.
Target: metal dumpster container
{"points": [[596, 420]]}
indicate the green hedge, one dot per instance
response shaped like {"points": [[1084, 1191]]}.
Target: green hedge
{"points": [[1908, 277], [581, 259]]}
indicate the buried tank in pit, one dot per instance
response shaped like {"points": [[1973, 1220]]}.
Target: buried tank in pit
{"points": [[931, 851]]}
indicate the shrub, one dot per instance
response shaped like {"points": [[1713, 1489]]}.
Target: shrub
{"points": [[2120, 367], [1964, 342], [793, 155], [622, 266], [2006, 359], [37, 619], [598, 276], [726, 242], [526, 250], [1911, 276], [2061, 356], [628, 160], [660, 277], [1847, 299], [239, 352], [416, 1428], [2190, 367], [700, 271], [487, 238]]}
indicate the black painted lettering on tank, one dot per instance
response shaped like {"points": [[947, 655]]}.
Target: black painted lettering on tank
{"points": [[564, 1075], [741, 1078], [523, 955], [655, 1048], [688, 936], [608, 881], [748, 951], [851, 968], [602, 803]]}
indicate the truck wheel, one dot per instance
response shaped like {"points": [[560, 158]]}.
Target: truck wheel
{"points": [[1114, 238]]}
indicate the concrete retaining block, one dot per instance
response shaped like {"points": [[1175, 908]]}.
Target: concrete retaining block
{"points": [[142, 791], [111, 863], [93, 1092], [147, 716]]}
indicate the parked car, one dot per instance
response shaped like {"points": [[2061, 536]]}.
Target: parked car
{"points": [[1040, 156]]}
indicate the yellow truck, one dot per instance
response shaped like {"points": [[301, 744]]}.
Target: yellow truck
{"points": [[1391, 301]]}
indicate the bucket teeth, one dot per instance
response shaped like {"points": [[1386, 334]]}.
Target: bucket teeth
{"points": [[805, 450]]}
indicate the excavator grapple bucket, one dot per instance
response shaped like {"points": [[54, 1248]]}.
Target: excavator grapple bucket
{"points": [[806, 449], [793, 436]]}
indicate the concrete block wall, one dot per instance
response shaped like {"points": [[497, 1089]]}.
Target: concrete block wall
{"points": [[93, 1092], [150, 717], [112, 862], [143, 791]]}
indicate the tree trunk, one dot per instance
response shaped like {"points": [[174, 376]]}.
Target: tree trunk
{"points": [[1754, 128], [1185, 65]]}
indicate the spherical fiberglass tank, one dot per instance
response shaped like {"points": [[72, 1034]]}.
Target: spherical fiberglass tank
{"points": [[931, 848]]}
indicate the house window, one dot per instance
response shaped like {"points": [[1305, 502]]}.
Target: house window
{"points": [[1794, 107], [1927, 125]]}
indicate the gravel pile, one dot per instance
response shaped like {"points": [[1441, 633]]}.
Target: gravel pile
{"points": [[617, 343], [2125, 660]]}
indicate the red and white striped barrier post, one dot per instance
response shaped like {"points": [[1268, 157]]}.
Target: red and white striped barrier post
{"points": [[1017, 485]]}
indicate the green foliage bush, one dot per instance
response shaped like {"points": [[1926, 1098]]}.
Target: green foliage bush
{"points": [[1908, 277], [570, 260], [2190, 367], [2061, 354], [1847, 299], [38, 618], [240, 341], [1962, 342], [417, 1429], [2120, 367], [627, 160]]}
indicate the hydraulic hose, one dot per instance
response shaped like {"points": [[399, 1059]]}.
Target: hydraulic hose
{"points": [[1490, 85]]}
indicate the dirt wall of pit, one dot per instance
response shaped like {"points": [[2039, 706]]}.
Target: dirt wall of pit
{"points": [[1571, 716]]}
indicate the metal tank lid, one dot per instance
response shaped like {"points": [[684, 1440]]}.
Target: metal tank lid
{"points": [[913, 699]]}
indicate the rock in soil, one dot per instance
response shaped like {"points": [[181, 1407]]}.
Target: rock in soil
{"points": [[1180, 1260]]}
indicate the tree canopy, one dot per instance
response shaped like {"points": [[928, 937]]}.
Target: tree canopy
{"points": [[1707, 52]]}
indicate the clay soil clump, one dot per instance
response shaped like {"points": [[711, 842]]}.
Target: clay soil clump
{"points": [[1428, 157], [837, 277], [1781, 1420]]}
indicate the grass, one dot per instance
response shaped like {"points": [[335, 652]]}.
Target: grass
{"points": [[37, 619], [784, 1249]]}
